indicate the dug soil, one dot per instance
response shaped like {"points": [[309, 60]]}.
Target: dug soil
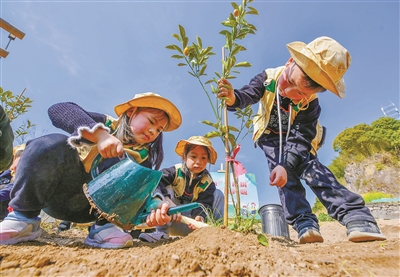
{"points": [[210, 251]]}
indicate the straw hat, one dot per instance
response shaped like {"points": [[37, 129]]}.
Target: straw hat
{"points": [[198, 140], [324, 60], [153, 100]]}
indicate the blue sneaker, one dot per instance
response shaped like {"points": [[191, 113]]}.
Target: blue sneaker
{"points": [[108, 236], [16, 227], [310, 235], [359, 231]]}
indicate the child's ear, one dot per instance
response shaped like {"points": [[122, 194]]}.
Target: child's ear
{"points": [[129, 112], [289, 61]]}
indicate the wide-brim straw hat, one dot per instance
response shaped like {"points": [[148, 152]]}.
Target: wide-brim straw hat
{"points": [[198, 140], [324, 60], [153, 100]]}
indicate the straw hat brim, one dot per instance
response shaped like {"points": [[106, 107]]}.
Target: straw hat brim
{"points": [[153, 101], [180, 149], [306, 60]]}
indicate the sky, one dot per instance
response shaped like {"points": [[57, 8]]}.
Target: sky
{"points": [[101, 53]]}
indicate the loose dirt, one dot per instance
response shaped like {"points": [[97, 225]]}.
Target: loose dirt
{"points": [[211, 251]]}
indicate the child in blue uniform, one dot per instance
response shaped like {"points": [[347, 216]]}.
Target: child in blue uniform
{"points": [[51, 173], [189, 182], [288, 131]]}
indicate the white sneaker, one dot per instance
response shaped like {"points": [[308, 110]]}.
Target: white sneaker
{"points": [[108, 236], [153, 237]]}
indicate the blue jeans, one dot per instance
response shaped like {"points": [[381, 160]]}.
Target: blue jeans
{"points": [[342, 204], [50, 177]]}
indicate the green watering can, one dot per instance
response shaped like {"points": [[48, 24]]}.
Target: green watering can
{"points": [[122, 192]]}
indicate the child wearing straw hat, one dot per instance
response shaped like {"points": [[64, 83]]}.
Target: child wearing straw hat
{"points": [[51, 173], [288, 131], [188, 182]]}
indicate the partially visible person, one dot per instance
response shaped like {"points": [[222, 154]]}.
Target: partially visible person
{"points": [[6, 141], [10, 173], [189, 182], [288, 132], [51, 173]]}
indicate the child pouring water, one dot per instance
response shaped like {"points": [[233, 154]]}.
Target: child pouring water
{"points": [[51, 173], [189, 182], [287, 130]]}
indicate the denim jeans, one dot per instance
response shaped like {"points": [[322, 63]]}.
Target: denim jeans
{"points": [[342, 204], [50, 176]]}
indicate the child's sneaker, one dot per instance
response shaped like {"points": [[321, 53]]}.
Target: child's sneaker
{"points": [[108, 236], [16, 227], [310, 235], [359, 231], [153, 237]]}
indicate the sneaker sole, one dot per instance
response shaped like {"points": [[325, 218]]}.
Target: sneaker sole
{"points": [[357, 236], [310, 237], [26, 237], [95, 243]]}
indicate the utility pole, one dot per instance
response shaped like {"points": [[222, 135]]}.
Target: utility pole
{"points": [[13, 33]]}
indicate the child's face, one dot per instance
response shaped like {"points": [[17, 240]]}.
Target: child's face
{"points": [[197, 159], [145, 126], [291, 83]]}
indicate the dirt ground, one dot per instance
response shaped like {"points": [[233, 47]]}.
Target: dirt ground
{"points": [[210, 251]]}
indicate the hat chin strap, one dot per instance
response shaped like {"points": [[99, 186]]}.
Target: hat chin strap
{"points": [[280, 123]]}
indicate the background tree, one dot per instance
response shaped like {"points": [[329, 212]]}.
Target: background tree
{"points": [[15, 106]]}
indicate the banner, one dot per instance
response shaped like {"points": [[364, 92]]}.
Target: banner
{"points": [[247, 190]]}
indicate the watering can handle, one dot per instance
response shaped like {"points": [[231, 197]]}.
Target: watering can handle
{"points": [[95, 164], [174, 210]]}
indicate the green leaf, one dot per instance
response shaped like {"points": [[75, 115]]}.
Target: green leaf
{"points": [[199, 42], [242, 64], [213, 134], [233, 129], [182, 64], [252, 11], [225, 33], [209, 123], [182, 31], [177, 37], [262, 239], [203, 68], [177, 56], [185, 42], [174, 47], [235, 6]]}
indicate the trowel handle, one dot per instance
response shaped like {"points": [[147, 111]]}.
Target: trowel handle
{"points": [[174, 210]]}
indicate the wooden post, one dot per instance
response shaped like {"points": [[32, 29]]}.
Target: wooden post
{"points": [[227, 155]]}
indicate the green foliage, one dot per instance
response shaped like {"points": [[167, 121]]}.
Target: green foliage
{"points": [[318, 207], [262, 239], [363, 141], [323, 217], [15, 106], [368, 197], [195, 55]]}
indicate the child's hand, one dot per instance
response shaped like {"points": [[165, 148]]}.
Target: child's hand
{"points": [[109, 146], [226, 91], [197, 218], [160, 217], [278, 176]]}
